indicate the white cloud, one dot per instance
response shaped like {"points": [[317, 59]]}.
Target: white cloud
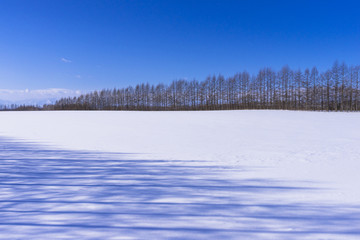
{"points": [[65, 60], [38, 96]]}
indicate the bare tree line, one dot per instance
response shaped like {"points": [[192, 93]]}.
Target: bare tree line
{"points": [[19, 107], [336, 89]]}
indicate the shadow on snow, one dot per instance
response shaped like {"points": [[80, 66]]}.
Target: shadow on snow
{"points": [[57, 194]]}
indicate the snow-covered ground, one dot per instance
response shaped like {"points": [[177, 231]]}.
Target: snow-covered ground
{"points": [[180, 175]]}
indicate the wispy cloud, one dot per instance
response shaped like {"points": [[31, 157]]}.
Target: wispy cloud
{"points": [[65, 60], [26, 96]]}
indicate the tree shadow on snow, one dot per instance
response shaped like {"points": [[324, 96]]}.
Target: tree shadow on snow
{"points": [[49, 193]]}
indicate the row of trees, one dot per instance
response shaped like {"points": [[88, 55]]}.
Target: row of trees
{"points": [[337, 89], [19, 107]]}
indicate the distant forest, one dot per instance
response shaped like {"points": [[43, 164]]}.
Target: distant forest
{"points": [[337, 89]]}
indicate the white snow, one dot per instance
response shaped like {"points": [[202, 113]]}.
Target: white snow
{"points": [[180, 175]]}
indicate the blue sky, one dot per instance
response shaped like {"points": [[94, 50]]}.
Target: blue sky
{"points": [[86, 45]]}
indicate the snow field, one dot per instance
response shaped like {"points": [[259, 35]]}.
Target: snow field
{"points": [[176, 175]]}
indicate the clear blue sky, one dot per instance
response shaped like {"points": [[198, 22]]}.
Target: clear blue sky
{"points": [[103, 44]]}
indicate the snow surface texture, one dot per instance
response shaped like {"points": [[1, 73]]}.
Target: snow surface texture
{"points": [[179, 175]]}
